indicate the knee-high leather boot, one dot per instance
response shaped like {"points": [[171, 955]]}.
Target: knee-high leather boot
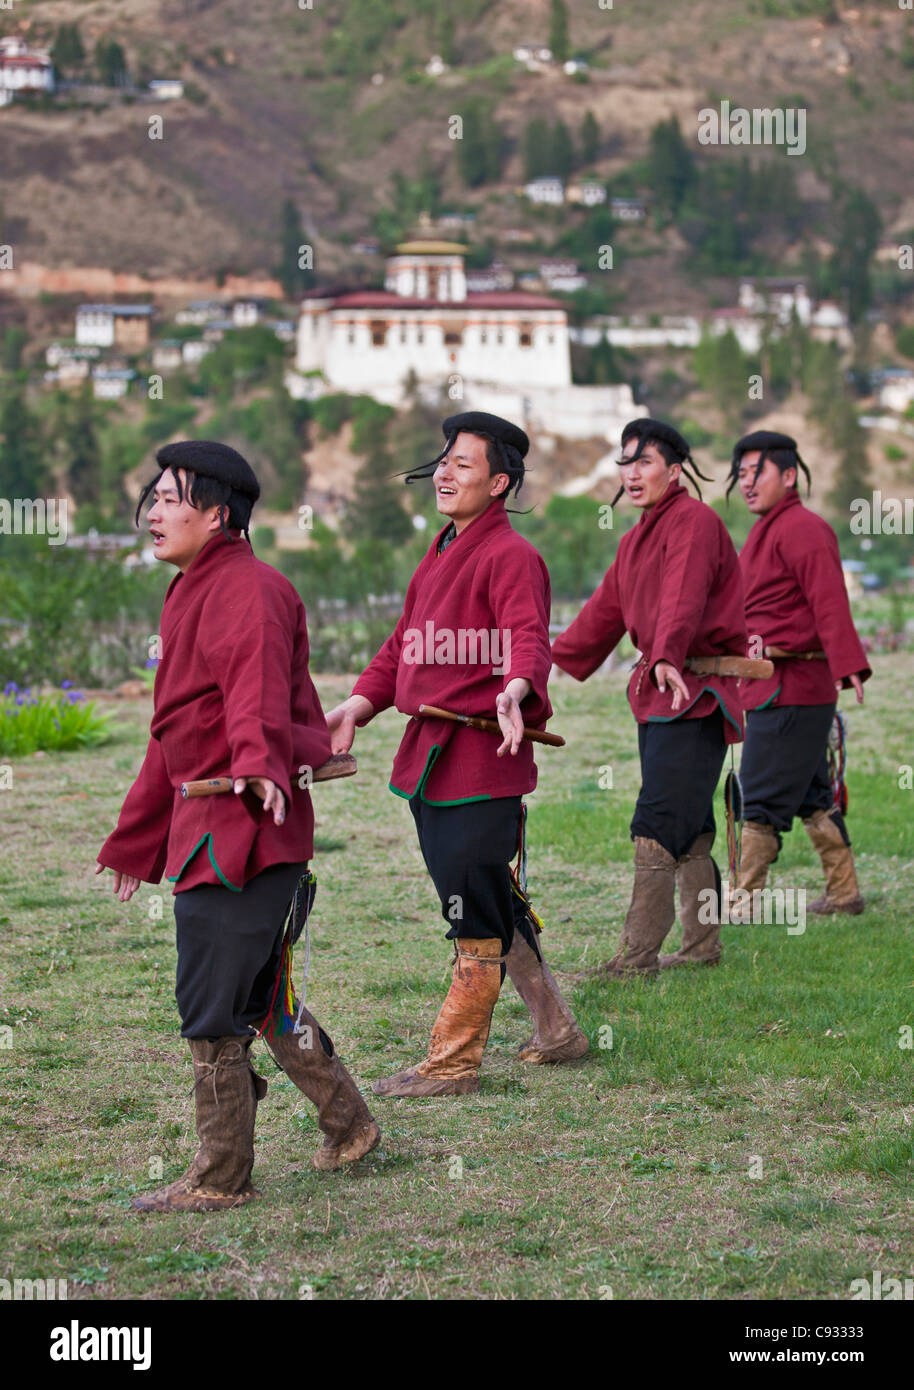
{"points": [[309, 1059], [226, 1092], [556, 1035], [460, 1031], [650, 914], [696, 874]]}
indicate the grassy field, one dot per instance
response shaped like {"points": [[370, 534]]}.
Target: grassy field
{"points": [[747, 1134]]}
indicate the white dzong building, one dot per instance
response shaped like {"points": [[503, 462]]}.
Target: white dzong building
{"points": [[504, 350]]}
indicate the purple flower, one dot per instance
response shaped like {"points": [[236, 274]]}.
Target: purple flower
{"points": [[11, 688], [151, 663], [74, 696], [20, 699], [66, 685]]}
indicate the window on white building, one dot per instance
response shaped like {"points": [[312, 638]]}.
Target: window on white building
{"points": [[378, 332], [526, 337]]}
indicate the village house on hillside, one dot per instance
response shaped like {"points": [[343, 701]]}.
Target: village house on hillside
{"points": [[23, 69], [590, 193], [109, 325], [547, 189], [502, 350]]}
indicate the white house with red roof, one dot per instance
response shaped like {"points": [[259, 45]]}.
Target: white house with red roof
{"points": [[501, 350], [23, 69], [426, 321]]}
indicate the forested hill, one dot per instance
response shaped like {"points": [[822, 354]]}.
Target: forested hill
{"points": [[330, 111]]}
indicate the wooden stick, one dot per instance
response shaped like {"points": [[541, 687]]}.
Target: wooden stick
{"points": [[489, 726], [337, 765], [780, 655], [730, 666]]}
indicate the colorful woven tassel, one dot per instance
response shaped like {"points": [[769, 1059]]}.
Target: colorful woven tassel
{"points": [[282, 1016]]}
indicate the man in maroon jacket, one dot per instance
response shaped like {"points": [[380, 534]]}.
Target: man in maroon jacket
{"points": [[796, 604], [675, 587], [473, 638], [232, 697]]}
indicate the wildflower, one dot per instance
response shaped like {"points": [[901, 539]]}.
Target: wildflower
{"points": [[151, 663], [11, 688], [66, 685]]}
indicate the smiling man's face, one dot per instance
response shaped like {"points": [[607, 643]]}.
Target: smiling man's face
{"points": [[179, 530], [464, 487]]}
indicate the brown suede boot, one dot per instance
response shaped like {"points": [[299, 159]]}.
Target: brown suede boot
{"points": [[759, 849], [309, 1059], [650, 914], [842, 892], [460, 1031], [695, 874], [226, 1091], [556, 1035]]}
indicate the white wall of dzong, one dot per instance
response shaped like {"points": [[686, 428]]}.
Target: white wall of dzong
{"points": [[343, 344]]}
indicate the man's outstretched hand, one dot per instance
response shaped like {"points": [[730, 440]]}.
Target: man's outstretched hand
{"points": [[342, 719], [665, 674], [510, 719], [857, 684], [125, 885], [272, 798]]}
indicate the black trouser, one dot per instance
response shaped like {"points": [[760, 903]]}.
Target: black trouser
{"points": [[784, 771], [468, 850], [680, 768], [229, 949]]}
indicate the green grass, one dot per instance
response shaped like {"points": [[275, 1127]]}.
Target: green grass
{"points": [[748, 1134]]}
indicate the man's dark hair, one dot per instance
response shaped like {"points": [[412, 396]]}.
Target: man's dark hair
{"points": [[216, 475], [781, 449], [202, 493]]}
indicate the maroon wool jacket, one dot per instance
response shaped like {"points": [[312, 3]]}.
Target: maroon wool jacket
{"points": [[487, 587], [233, 697], [675, 587], [796, 599]]}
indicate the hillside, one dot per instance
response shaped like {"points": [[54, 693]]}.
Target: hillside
{"points": [[324, 105]]}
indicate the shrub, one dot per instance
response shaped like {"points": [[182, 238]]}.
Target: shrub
{"points": [[55, 722]]}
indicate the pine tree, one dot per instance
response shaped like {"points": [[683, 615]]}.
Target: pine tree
{"points": [[375, 512], [859, 226], [291, 275], [67, 50], [536, 148], [479, 149], [22, 472], [671, 165], [558, 30], [447, 49], [561, 150], [589, 138], [82, 452], [851, 479], [110, 62]]}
